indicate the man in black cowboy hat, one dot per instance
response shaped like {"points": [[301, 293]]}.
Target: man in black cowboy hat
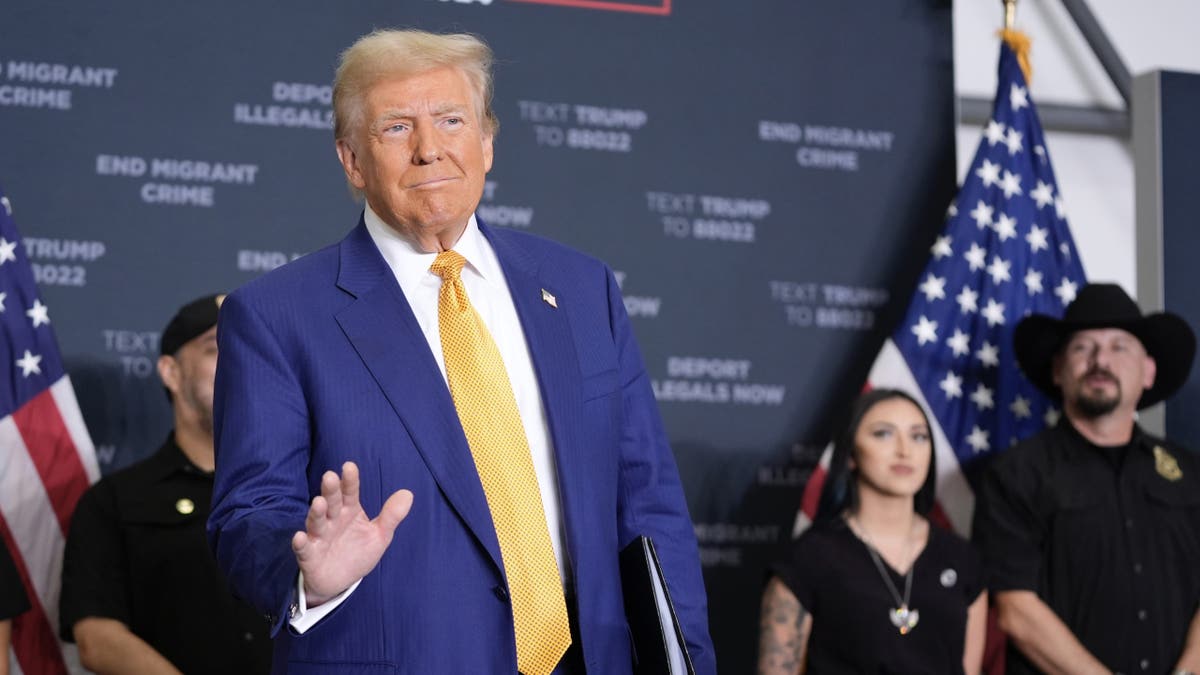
{"points": [[141, 592], [1091, 529]]}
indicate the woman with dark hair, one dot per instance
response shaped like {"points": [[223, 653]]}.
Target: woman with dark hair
{"points": [[872, 587]]}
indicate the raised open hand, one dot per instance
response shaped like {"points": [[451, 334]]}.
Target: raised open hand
{"points": [[340, 544]]}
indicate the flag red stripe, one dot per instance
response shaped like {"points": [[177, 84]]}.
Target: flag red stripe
{"points": [[812, 492], [33, 639], [53, 453]]}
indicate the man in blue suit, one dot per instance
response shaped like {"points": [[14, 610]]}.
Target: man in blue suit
{"points": [[340, 393]]}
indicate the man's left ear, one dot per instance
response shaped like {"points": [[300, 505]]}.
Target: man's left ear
{"points": [[487, 152], [1149, 372]]}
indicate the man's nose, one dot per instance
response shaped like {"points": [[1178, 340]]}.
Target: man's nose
{"points": [[428, 145]]}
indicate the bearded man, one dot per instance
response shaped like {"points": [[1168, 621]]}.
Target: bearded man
{"points": [[1091, 529]]}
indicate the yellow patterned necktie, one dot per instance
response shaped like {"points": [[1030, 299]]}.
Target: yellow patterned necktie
{"points": [[487, 408]]}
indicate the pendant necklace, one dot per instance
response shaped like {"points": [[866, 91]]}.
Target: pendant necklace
{"points": [[901, 616]]}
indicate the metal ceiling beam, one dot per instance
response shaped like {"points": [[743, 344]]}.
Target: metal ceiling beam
{"points": [[1071, 118], [1055, 117], [1098, 40]]}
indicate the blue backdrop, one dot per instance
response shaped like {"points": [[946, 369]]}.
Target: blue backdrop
{"points": [[765, 176]]}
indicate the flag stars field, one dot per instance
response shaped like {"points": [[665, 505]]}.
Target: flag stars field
{"points": [[976, 257], [1033, 282], [988, 355], [952, 385], [968, 300], [934, 288], [941, 247], [999, 270], [1013, 140], [982, 213], [978, 440], [989, 173], [1019, 97], [1020, 407], [994, 312], [1011, 184], [1066, 291], [982, 397], [8, 251], [925, 330], [30, 364], [1006, 227], [1043, 194], [39, 313], [1051, 417], [1037, 239], [959, 343], [994, 134]]}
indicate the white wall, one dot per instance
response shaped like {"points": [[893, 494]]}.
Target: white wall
{"points": [[1095, 173]]}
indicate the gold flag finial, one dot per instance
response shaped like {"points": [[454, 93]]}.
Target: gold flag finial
{"points": [[1016, 40]]}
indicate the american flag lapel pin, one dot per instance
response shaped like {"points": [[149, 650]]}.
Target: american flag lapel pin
{"points": [[548, 298]]}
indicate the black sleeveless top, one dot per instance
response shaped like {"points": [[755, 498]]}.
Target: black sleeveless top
{"points": [[830, 571]]}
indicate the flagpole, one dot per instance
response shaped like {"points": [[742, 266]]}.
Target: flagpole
{"points": [[1018, 41]]}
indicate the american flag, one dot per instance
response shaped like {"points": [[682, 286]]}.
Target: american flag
{"points": [[46, 456], [1005, 252]]}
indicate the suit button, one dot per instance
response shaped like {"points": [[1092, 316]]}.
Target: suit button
{"points": [[501, 593]]}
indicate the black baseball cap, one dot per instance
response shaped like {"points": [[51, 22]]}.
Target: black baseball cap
{"points": [[190, 322]]}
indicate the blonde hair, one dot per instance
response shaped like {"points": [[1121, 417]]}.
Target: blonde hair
{"points": [[402, 53]]}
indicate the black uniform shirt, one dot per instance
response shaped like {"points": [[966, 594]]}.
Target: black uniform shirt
{"points": [[137, 553], [13, 600], [1109, 538]]}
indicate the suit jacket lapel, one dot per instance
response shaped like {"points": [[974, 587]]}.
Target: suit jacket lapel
{"points": [[381, 327], [556, 365]]}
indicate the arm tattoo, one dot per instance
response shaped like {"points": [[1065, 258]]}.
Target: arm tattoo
{"points": [[782, 634]]}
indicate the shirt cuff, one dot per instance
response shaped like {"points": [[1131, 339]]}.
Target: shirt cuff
{"points": [[303, 618]]}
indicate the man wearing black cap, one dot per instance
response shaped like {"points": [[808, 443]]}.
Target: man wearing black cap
{"points": [[1091, 529], [141, 592]]}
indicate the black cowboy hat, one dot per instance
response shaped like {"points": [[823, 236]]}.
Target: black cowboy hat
{"points": [[1166, 337]]}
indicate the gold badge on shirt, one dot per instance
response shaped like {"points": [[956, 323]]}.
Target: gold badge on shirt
{"points": [[1166, 465], [185, 506]]}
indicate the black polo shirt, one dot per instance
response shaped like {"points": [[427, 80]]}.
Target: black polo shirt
{"points": [[137, 553], [13, 600], [1109, 538]]}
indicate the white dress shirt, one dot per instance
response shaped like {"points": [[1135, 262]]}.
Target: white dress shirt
{"points": [[489, 295]]}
